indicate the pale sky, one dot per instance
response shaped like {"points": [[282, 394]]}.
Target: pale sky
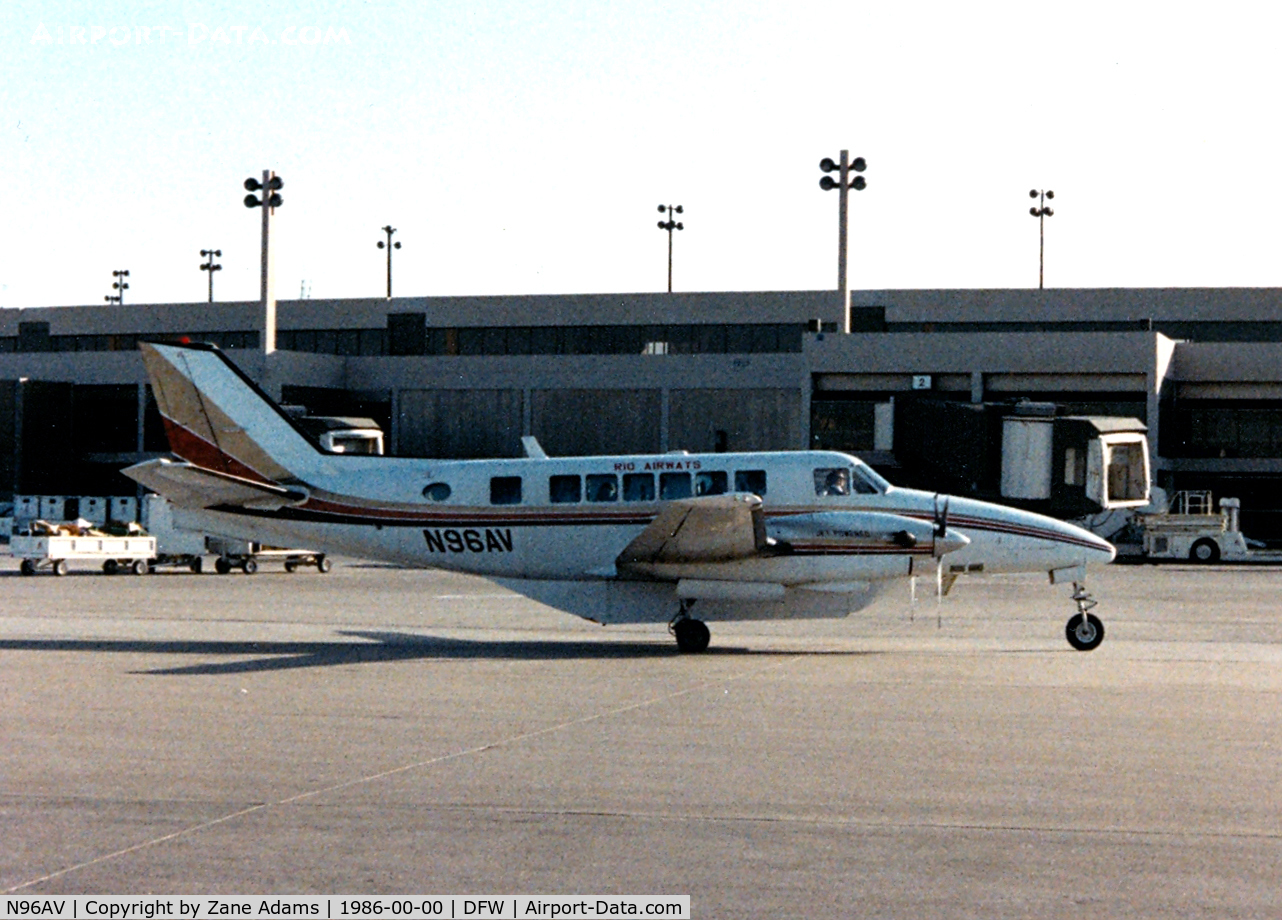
{"points": [[523, 147]]}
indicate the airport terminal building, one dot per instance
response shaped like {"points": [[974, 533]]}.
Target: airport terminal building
{"points": [[915, 387]]}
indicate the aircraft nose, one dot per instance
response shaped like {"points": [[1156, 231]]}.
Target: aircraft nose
{"points": [[1107, 551], [1086, 545]]}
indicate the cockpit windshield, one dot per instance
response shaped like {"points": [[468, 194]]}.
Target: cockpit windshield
{"points": [[848, 480], [868, 481]]}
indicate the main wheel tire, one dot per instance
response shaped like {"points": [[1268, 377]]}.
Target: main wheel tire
{"points": [[110, 567], [222, 566], [1205, 551], [138, 567], [249, 566], [323, 565], [291, 566], [692, 635], [60, 567], [1084, 634], [196, 565], [27, 567]]}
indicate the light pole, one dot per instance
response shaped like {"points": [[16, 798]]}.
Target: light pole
{"points": [[670, 225], [271, 200], [843, 184], [389, 246], [210, 266], [1041, 214], [120, 285]]}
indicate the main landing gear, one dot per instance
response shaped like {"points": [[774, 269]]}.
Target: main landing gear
{"points": [[1084, 630], [692, 635]]}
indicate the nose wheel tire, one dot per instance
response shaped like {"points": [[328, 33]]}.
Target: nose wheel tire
{"points": [[1084, 631], [692, 635]]}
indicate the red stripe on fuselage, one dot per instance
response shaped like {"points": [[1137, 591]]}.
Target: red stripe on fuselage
{"points": [[494, 517], [194, 449], [1009, 527]]}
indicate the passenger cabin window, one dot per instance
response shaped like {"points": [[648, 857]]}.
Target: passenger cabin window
{"points": [[437, 491], [505, 490], [638, 487], [603, 487], [713, 482], [674, 485], [753, 481], [563, 489]]}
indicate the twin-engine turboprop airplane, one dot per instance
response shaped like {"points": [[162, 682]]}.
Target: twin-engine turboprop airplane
{"points": [[678, 538]]}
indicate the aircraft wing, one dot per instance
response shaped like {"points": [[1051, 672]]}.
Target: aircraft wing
{"points": [[191, 486], [713, 528]]}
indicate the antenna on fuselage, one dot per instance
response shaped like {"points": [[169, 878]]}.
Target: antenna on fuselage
{"points": [[533, 449]]}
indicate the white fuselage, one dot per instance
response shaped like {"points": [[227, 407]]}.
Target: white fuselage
{"points": [[568, 518], [634, 538]]}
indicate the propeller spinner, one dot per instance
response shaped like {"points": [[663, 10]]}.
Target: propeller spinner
{"points": [[944, 543]]}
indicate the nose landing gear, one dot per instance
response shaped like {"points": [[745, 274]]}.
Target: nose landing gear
{"points": [[692, 635], [1084, 630]]}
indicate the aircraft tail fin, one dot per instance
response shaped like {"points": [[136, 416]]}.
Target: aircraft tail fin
{"points": [[217, 418]]}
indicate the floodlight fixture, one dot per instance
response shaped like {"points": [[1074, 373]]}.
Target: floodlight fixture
{"points": [[1041, 213], [389, 246], [843, 183], [670, 225]]}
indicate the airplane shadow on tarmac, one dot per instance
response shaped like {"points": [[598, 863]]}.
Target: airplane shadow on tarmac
{"points": [[381, 646]]}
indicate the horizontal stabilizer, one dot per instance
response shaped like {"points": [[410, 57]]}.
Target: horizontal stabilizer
{"points": [[714, 528], [191, 486]]}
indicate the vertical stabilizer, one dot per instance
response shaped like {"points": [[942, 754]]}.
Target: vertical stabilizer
{"points": [[217, 418]]}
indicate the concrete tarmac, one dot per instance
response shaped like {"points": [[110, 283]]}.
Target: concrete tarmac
{"points": [[378, 730]]}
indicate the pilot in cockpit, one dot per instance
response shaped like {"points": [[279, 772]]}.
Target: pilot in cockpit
{"points": [[837, 482]]}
